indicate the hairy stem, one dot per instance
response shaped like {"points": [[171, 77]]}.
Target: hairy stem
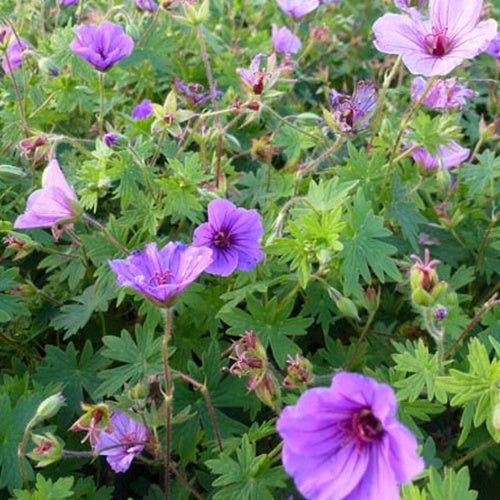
{"points": [[105, 233], [101, 102], [168, 399]]}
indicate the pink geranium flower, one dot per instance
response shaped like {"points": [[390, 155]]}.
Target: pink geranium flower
{"points": [[438, 45]]}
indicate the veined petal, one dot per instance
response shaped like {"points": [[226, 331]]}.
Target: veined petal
{"points": [[455, 15], [397, 33], [475, 41]]}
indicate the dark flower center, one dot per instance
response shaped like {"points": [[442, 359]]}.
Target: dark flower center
{"points": [[161, 278], [222, 239], [365, 427], [439, 43]]}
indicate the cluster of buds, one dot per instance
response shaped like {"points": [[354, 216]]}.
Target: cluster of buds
{"points": [[47, 451], [299, 372], [426, 289], [251, 361], [97, 418]]}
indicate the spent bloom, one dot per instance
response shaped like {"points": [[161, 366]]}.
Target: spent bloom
{"points": [[443, 94], [127, 432], [143, 110], [233, 235], [161, 275], [148, 5], [195, 91], [438, 45], [344, 442], [53, 205], [285, 41], [494, 47], [102, 45], [447, 157], [254, 76], [350, 113]]}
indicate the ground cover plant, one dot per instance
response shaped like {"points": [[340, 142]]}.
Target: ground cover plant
{"points": [[250, 249]]}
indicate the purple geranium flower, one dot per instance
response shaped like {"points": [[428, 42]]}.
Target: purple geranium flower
{"points": [[149, 5], [443, 94], [233, 235], [110, 139], [494, 47], [54, 204], [351, 113], [438, 45], [161, 275], [297, 8], [67, 3], [125, 431], [447, 157], [14, 52], [343, 442], [102, 45], [143, 110], [285, 41]]}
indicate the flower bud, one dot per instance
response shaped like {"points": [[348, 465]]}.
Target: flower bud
{"points": [[268, 390], [48, 449], [50, 406], [347, 307]]}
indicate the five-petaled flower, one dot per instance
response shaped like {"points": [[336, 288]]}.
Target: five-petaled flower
{"points": [[233, 235], [350, 113], [102, 45], [14, 53], [443, 94], [147, 5], [161, 275], [438, 45], [143, 110], [343, 442], [54, 205], [126, 432]]}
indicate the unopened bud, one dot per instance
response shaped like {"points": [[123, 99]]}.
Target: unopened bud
{"points": [[50, 406], [347, 307], [268, 390]]}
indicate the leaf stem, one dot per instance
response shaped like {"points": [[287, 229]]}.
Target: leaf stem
{"points": [[168, 399], [105, 233], [101, 103]]}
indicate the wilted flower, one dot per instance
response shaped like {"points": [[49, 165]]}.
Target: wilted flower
{"points": [[299, 372], [494, 47], [233, 234], [344, 441], [37, 145], [195, 91], [126, 432], [47, 451], [443, 94], [14, 52], [350, 113], [447, 157], [149, 5], [161, 275], [438, 45], [143, 110], [284, 40], [102, 45], [254, 76], [95, 420], [53, 205]]}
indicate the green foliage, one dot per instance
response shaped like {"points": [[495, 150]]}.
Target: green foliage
{"points": [[363, 249], [137, 359], [476, 389], [271, 323], [46, 489], [247, 476], [415, 359], [11, 304]]}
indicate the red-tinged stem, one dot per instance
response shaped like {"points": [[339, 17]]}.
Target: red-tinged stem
{"points": [[208, 401], [106, 233], [168, 399]]}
